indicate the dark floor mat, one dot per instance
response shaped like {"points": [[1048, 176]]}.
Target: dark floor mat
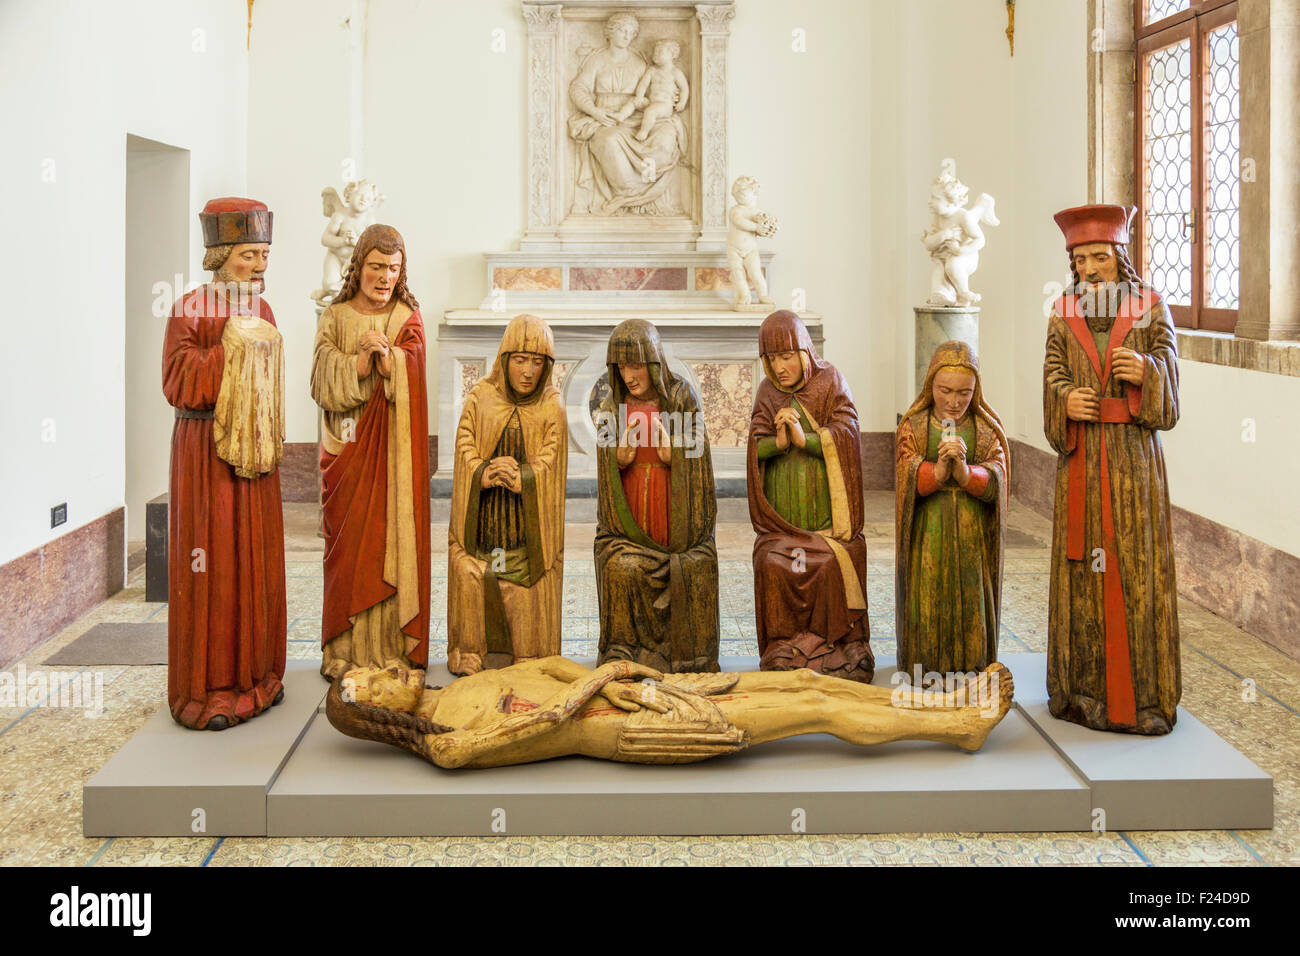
{"points": [[116, 642]]}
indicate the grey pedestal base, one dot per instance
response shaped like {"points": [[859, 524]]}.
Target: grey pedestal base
{"points": [[1189, 779], [300, 777], [166, 772]]}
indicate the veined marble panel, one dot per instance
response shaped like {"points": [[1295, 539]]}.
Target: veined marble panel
{"points": [[622, 279], [470, 373], [714, 280], [726, 400], [530, 279], [559, 370]]}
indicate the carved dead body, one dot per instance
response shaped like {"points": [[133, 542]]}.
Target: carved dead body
{"points": [[623, 711]]}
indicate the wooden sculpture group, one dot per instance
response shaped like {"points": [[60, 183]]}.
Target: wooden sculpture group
{"points": [[655, 696]]}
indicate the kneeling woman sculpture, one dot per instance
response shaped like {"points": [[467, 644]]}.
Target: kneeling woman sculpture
{"points": [[656, 562], [626, 712], [805, 501]]}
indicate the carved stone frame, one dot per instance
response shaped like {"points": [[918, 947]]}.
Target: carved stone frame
{"points": [[548, 109]]}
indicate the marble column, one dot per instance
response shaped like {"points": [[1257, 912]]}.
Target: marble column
{"points": [[715, 31], [543, 21], [938, 324]]}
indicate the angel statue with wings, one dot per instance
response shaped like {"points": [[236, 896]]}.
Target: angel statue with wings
{"points": [[348, 215], [954, 240]]}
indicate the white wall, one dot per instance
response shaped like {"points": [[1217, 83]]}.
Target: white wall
{"points": [[442, 137], [948, 88], [76, 76]]}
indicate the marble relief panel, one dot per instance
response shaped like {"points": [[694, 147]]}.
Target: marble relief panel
{"points": [[726, 400]]}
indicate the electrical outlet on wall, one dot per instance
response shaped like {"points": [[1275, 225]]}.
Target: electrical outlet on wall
{"points": [[58, 515]]}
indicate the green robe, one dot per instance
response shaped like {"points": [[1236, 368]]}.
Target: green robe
{"points": [[789, 476], [951, 613]]}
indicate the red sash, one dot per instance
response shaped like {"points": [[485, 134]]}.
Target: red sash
{"points": [[1120, 701]]}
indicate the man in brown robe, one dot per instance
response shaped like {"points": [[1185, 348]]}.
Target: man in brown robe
{"points": [[1110, 385], [506, 536], [805, 501], [368, 378]]}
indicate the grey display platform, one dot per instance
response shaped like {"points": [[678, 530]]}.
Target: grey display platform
{"points": [[1189, 779], [166, 772], [1032, 775]]}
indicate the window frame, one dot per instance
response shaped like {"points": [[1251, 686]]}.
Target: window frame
{"points": [[1192, 24]]}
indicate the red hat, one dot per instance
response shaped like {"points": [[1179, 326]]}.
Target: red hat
{"points": [[1101, 223], [231, 220]]}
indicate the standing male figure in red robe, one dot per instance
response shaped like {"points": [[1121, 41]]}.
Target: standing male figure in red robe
{"points": [[226, 619], [1110, 386], [368, 379]]}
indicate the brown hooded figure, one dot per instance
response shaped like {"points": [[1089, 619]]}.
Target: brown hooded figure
{"points": [[656, 561], [951, 487], [505, 560], [1110, 386], [805, 501]]}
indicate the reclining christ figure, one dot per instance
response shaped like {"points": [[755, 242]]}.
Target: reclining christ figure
{"points": [[624, 711]]}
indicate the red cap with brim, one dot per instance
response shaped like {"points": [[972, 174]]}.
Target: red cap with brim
{"points": [[232, 220], [1100, 223]]}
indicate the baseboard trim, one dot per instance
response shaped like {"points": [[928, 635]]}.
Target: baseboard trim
{"points": [[48, 588]]}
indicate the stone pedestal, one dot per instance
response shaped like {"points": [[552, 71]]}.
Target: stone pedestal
{"points": [[937, 324], [155, 548]]}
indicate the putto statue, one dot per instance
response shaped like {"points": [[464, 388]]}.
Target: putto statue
{"points": [[746, 223], [954, 240], [348, 215]]}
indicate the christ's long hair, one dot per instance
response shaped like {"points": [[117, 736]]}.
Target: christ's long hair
{"points": [[387, 240]]}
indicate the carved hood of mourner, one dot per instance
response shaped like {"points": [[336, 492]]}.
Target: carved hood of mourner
{"points": [[950, 541], [509, 608], [658, 601]]}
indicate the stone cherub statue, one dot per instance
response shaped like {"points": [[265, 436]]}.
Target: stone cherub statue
{"points": [[954, 240], [348, 215], [627, 712], [745, 224]]}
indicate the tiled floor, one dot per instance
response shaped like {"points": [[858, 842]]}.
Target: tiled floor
{"points": [[1242, 688]]}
